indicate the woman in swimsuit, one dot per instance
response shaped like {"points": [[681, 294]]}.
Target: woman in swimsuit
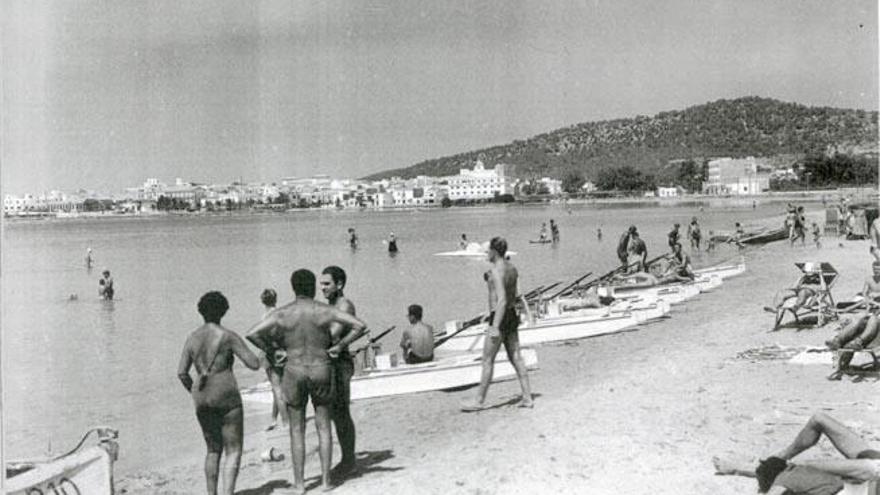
{"points": [[211, 348]]}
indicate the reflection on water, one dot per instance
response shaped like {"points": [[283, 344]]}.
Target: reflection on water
{"points": [[69, 364]]}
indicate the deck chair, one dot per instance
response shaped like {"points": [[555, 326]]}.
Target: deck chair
{"points": [[866, 488], [819, 278], [863, 370]]}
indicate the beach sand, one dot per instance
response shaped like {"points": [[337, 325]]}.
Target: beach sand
{"points": [[632, 413]]}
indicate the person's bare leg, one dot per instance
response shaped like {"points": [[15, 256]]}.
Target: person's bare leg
{"points": [[845, 440], [325, 443], [275, 402], [233, 433], [848, 332], [297, 418], [511, 346], [490, 350], [211, 430]]}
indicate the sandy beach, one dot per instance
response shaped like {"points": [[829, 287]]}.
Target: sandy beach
{"points": [[632, 413]]}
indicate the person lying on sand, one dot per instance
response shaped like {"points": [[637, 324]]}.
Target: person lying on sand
{"points": [[585, 300], [777, 475]]}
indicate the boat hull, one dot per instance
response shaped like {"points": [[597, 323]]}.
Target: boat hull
{"points": [[87, 471], [441, 374]]}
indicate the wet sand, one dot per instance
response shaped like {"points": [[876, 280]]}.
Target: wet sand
{"points": [[632, 413]]}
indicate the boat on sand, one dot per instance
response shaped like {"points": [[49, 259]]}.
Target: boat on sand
{"points": [[86, 471], [440, 374]]}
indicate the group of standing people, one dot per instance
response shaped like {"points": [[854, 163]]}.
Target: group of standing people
{"points": [[305, 351], [354, 241]]}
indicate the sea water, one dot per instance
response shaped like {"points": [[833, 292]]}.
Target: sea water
{"points": [[71, 361]]}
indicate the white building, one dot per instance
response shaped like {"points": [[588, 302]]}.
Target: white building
{"points": [[735, 176], [667, 192], [480, 183]]}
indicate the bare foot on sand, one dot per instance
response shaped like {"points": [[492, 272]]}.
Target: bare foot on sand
{"points": [[343, 470], [472, 407], [723, 466], [526, 403]]}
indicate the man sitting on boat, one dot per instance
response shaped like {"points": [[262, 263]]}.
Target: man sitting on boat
{"points": [[681, 264], [417, 341]]}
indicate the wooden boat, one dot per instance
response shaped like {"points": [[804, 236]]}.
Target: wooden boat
{"points": [[86, 471], [675, 293], [440, 374], [559, 328], [765, 237]]}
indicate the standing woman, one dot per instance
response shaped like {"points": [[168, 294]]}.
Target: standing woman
{"points": [[211, 348]]}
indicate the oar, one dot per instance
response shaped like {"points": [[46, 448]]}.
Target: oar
{"points": [[569, 286], [464, 327], [376, 339], [535, 293], [617, 270]]}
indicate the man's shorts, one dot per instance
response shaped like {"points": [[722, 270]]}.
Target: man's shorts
{"points": [[344, 370], [805, 480], [301, 382], [509, 323]]}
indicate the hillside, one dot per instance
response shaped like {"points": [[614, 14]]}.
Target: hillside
{"points": [[741, 127]]}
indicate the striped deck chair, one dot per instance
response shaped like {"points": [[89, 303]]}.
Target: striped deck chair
{"points": [[816, 281]]}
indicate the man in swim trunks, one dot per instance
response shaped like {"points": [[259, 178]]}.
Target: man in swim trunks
{"points": [[463, 242], [333, 280], [638, 248], [694, 234], [503, 325], [778, 475], [352, 238], [211, 348], [417, 341], [623, 247], [681, 264], [673, 236], [303, 329]]}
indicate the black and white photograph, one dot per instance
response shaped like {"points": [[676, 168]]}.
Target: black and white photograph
{"points": [[439, 247]]}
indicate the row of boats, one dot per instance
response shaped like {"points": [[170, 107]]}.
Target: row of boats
{"points": [[458, 362], [555, 319]]}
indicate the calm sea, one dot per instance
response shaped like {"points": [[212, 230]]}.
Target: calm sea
{"points": [[72, 364]]}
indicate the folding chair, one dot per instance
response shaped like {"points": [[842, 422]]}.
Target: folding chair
{"points": [[817, 279]]}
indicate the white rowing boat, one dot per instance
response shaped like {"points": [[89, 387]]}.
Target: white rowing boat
{"points": [[468, 253], [724, 271], [560, 328], [672, 293], [87, 471], [440, 374]]}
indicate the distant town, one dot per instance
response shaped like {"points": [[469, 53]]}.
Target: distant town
{"points": [[479, 184]]}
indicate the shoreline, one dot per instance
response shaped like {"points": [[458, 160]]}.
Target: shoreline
{"points": [[613, 414], [699, 200]]}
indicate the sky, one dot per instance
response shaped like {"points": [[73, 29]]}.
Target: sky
{"points": [[103, 94]]}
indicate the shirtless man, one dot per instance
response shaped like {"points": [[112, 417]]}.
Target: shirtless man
{"points": [[417, 341], [673, 236], [623, 247], [303, 329], [777, 475], [694, 234], [105, 286], [637, 248], [503, 324], [212, 349], [333, 281], [681, 264]]}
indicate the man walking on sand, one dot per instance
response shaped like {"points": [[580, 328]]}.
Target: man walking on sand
{"points": [[503, 324], [303, 329], [333, 281]]}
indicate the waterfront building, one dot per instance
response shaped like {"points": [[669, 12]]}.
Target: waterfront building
{"points": [[736, 176], [480, 183]]}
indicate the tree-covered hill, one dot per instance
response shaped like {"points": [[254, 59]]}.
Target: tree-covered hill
{"points": [[748, 126]]}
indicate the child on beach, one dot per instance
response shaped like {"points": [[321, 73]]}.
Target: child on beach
{"points": [[817, 234]]}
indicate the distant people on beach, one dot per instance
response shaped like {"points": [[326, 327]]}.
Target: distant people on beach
{"points": [[673, 236], [554, 231], [417, 341], [797, 229], [814, 476], [212, 348], [105, 286], [503, 326], [333, 281], [694, 234], [392, 243], [89, 259], [273, 363], [304, 328], [817, 235], [638, 249], [463, 242], [542, 235], [352, 238], [710, 242], [599, 233]]}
